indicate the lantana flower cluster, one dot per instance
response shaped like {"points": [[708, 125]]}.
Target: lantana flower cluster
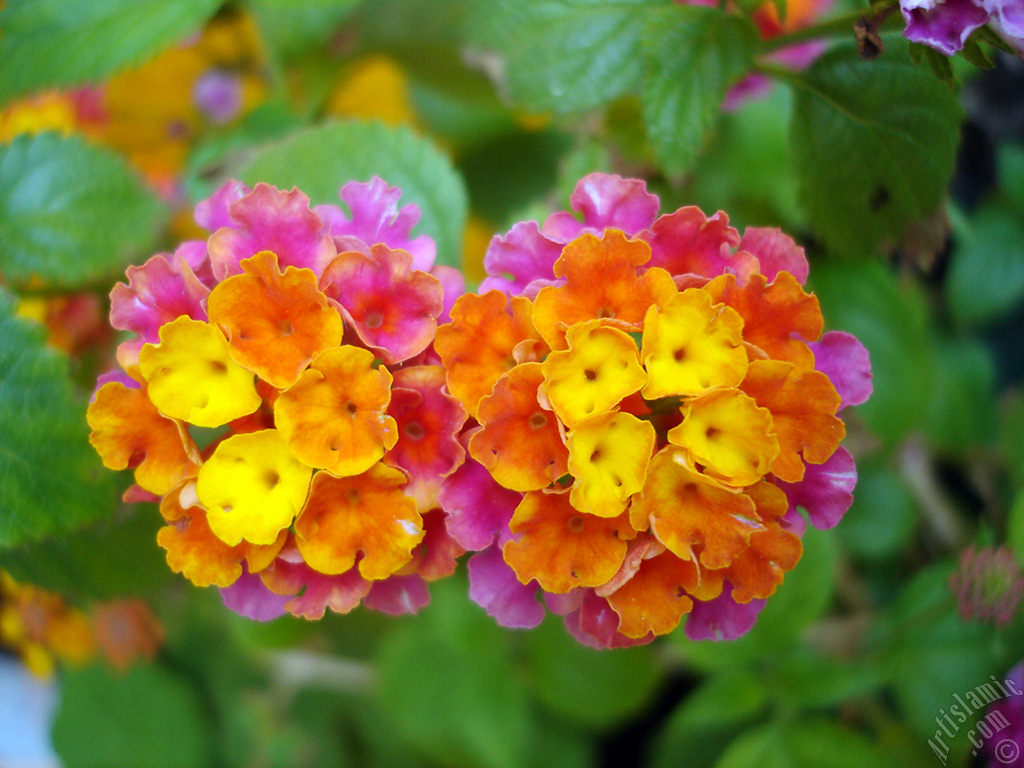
{"points": [[653, 398], [622, 422], [300, 338]]}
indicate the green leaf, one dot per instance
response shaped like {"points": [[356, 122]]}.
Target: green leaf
{"points": [[708, 719], [694, 55], [321, 160], [883, 516], [563, 55], [586, 686], [145, 718], [804, 680], [986, 277], [962, 413], [448, 679], [51, 480], [929, 653], [56, 43], [803, 744], [99, 562], [289, 27], [874, 145], [1011, 435], [70, 212], [865, 298], [1015, 527]]}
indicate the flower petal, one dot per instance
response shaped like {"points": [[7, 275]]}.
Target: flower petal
{"points": [[334, 416], [193, 377], [726, 432], [494, 587], [601, 282], [252, 487], [802, 404], [599, 367], [690, 346], [480, 343], [609, 455], [561, 547], [392, 307], [519, 442], [274, 322], [128, 431], [366, 514]]}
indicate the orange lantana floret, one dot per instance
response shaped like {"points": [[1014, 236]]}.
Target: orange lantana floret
{"points": [[487, 337], [803, 404], [691, 515], [778, 318], [335, 416], [275, 322], [601, 281], [127, 430], [519, 443], [561, 547], [367, 514]]}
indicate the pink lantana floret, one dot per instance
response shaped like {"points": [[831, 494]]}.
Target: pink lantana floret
{"points": [[159, 291], [493, 586], [249, 597], [392, 306], [268, 219], [826, 491], [722, 618], [376, 218], [397, 595]]}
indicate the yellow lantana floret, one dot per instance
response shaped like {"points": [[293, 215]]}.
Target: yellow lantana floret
{"points": [[726, 432], [252, 487], [600, 367], [192, 376], [691, 345], [608, 455]]}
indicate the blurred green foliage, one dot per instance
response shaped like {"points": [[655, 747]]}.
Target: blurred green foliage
{"points": [[513, 101]]}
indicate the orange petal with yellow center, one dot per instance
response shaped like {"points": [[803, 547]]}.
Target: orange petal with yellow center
{"points": [[561, 547], [803, 404], [335, 416], [367, 514], [608, 455], [691, 345], [480, 344], [519, 442], [726, 432], [778, 319], [691, 516], [601, 281], [600, 367], [657, 597], [252, 487], [193, 377], [275, 322], [128, 431], [761, 568]]}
